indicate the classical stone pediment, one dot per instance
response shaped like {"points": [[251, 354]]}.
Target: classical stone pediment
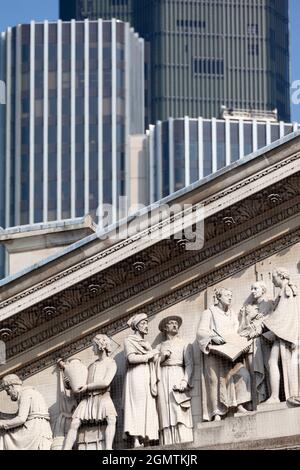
{"points": [[251, 211]]}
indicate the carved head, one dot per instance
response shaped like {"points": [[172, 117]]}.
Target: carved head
{"points": [[142, 327], [12, 385], [61, 363], [101, 343], [280, 276], [258, 290], [139, 323], [170, 325], [223, 296]]}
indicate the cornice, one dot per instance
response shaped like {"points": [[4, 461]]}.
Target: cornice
{"points": [[152, 308], [158, 264], [279, 171]]}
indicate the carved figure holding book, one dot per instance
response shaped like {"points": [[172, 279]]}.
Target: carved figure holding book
{"points": [[225, 380], [175, 370]]}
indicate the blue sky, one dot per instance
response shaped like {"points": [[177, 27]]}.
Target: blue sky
{"points": [[22, 11]]}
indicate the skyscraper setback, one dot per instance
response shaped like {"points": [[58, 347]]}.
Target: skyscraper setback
{"points": [[206, 54]]}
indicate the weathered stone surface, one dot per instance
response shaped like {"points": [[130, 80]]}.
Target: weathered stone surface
{"points": [[271, 427], [56, 308]]}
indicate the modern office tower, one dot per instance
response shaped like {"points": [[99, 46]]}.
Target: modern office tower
{"points": [[183, 151], [2, 150], [205, 54], [76, 95], [94, 9]]}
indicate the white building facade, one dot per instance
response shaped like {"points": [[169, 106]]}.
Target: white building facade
{"points": [[75, 95]]}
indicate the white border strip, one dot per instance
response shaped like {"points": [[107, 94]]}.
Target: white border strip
{"points": [[171, 157], [187, 150], [200, 148]]}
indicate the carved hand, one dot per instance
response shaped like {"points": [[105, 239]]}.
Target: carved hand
{"points": [[182, 386], [165, 355], [3, 426], [151, 355], [66, 383], [217, 340], [81, 390]]}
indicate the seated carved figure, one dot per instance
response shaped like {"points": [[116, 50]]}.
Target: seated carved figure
{"points": [[30, 428], [95, 406], [225, 384]]}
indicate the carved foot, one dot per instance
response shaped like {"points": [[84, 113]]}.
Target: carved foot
{"points": [[137, 443], [272, 400], [241, 409], [217, 418]]}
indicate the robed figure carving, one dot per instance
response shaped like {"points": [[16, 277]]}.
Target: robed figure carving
{"points": [[225, 385], [140, 386], [30, 428], [284, 323], [251, 326], [175, 370]]}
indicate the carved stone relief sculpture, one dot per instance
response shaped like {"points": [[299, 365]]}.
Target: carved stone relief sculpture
{"points": [[284, 324], [140, 385], [92, 388], [30, 428], [251, 326], [226, 382], [175, 370], [67, 402]]}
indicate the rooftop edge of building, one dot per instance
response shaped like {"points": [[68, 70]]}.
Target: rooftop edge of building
{"points": [[179, 195]]}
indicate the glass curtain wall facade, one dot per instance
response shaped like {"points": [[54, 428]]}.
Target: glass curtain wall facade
{"points": [[125, 10], [94, 9], [207, 53], [75, 95], [183, 151]]}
